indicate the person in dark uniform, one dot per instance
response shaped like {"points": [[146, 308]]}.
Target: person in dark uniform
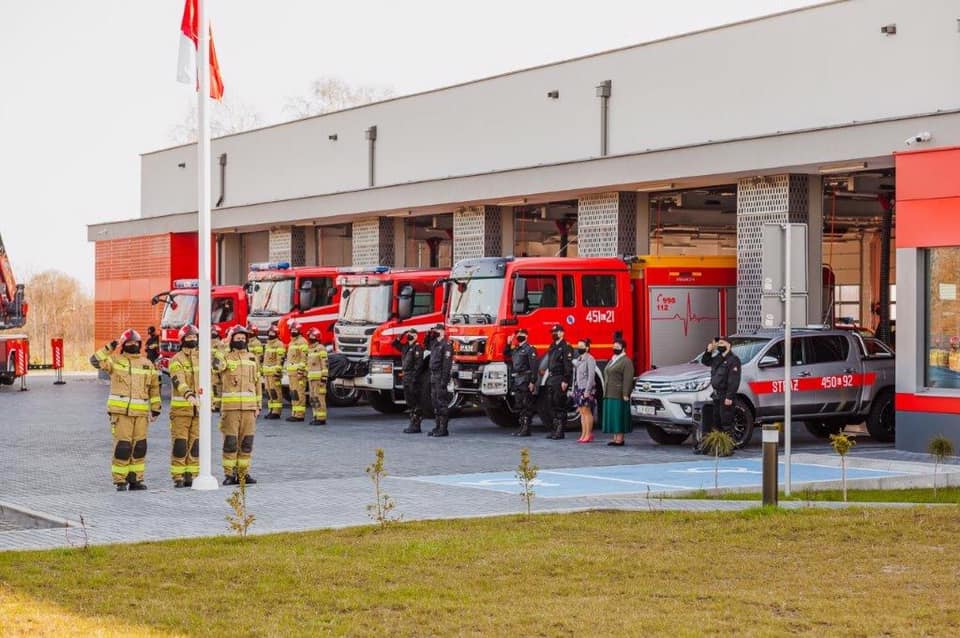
{"points": [[412, 362], [441, 367], [725, 381], [153, 345], [559, 380], [523, 379]]}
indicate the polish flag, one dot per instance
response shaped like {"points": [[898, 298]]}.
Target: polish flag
{"points": [[189, 42]]}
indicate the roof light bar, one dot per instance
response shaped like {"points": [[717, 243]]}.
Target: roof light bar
{"points": [[186, 283], [361, 270], [270, 265]]}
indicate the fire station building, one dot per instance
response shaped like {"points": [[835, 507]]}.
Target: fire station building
{"points": [[844, 116]]}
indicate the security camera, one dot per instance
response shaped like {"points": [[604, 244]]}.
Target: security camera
{"points": [[918, 138]]}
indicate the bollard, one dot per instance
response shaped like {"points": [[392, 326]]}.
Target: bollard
{"points": [[771, 439]]}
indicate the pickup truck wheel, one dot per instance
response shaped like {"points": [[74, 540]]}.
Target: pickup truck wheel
{"points": [[742, 423], [342, 396], [823, 429], [881, 422], [383, 403], [663, 437]]}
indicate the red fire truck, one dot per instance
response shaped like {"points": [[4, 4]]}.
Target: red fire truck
{"points": [[665, 307], [376, 306], [228, 307], [14, 348]]}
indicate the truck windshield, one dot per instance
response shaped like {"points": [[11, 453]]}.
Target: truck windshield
{"points": [[475, 300], [272, 298], [179, 311], [366, 304]]}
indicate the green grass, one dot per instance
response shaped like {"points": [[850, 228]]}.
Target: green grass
{"points": [[947, 495], [760, 572]]}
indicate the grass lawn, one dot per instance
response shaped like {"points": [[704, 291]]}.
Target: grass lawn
{"points": [[946, 495], [760, 572]]}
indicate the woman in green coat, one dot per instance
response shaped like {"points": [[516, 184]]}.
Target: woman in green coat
{"points": [[617, 385]]}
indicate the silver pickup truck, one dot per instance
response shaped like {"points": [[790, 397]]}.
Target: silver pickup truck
{"points": [[839, 378]]}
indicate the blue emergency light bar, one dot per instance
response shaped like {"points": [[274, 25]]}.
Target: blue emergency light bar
{"points": [[364, 270], [270, 265], [186, 283]]}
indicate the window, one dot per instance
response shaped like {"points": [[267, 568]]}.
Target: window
{"points": [[541, 291], [827, 349], [846, 304], [322, 291], [221, 309], [796, 346], [569, 297], [422, 303], [942, 306], [599, 291]]}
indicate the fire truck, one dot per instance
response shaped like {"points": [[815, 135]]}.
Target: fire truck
{"points": [[665, 307], [228, 307], [376, 306], [14, 348]]}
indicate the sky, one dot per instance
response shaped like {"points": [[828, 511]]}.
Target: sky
{"points": [[89, 86]]}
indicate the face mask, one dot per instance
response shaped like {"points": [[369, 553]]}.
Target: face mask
{"points": [[721, 349], [557, 336], [294, 333], [190, 344], [238, 345], [618, 349], [411, 338], [132, 348], [581, 351], [521, 338], [272, 335]]}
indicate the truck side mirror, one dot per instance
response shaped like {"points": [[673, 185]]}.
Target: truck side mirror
{"points": [[519, 296], [405, 303], [768, 362]]}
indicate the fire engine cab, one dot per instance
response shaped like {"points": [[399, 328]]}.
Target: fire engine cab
{"points": [[665, 307], [279, 294], [14, 348]]}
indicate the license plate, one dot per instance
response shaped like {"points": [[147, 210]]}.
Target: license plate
{"points": [[647, 410], [465, 375]]}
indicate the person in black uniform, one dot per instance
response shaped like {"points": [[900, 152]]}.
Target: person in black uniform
{"points": [[559, 379], [725, 381], [153, 345], [441, 365], [412, 362], [523, 379]]}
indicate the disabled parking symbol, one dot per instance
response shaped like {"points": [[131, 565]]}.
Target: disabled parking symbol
{"points": [[702, 469]]}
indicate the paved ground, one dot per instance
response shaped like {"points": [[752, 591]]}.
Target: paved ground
{"points": [[55, 460]]}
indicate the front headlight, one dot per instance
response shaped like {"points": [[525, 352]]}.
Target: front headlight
{"points": [[496, 374], [694, 385], [381, 368]]}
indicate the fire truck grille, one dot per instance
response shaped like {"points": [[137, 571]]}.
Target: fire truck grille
{"points": [[170, 346], [467, 378], [353, 347], [654, 387]]}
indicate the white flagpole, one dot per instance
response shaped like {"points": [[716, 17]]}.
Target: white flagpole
{"points": [[206, 480]]}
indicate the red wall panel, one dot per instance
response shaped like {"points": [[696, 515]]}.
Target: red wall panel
{"points": [[928, 198]]}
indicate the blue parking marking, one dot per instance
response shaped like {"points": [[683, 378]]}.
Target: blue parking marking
{"points": [[639, 479]]}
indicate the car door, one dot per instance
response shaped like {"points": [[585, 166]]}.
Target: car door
{"points": [[542, 305], [834, 367], [767, 384]]}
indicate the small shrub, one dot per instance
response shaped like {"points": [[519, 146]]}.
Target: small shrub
{"points": [[842, 444], [241, 519], [940, 447], [380, 511], [527, 474], [717, 443]]}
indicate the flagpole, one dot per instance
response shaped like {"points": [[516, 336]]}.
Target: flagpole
{"points": [[206, 480]]}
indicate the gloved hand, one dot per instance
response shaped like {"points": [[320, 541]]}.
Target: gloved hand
{"points": [[113, 344], [194, 401]]}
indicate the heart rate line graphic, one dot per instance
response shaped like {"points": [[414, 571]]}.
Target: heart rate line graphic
{"points": [[688, 318]]}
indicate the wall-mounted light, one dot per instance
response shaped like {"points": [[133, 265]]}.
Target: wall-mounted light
{"points": [[604, 88], [842, 168], [554, 94], [889, 29], [182, 165], [666, 186], [371, 133], [332, 138]]}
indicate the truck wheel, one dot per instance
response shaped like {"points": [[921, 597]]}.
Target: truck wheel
{"points": [[742, 423], [659, 435], [823, 429], [499, 412], [382, 402], [7, 379], [342, 396], [881, 422]]}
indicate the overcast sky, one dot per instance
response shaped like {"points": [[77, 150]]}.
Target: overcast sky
{"points": [[88, 86]]}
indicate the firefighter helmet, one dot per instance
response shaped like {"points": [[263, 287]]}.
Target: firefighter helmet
{"points": [[129, 335], [215, 332], [294, 327], [313, 334], [188, 330], [237, 330], [252, 329]]}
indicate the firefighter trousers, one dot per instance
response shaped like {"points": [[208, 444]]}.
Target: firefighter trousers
{"points": [[274, 386], [217, 392], [238, 428], [559, 403], [298, 394], [318, 398], [185, 446], [129, 446]]}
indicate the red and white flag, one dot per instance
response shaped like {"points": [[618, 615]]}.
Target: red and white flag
{"points": [[189, 43]]}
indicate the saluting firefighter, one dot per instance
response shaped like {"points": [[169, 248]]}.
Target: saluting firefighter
{"points": [[272, 368], [217, 344], [441, 367], [412, 362], [725, 381], [297, 373], [240, 378], [184, 414], [317, 372], [559, 379], [134, 400], [523, 379], [255, 346]]}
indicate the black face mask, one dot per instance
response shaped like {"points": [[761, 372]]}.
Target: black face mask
{"points": [[557, 336], [190, 344], [521, 338], [238, 345], [132, 348], [294, 333], [581, 351], [618, 349], [721, 349], [411, 338]]}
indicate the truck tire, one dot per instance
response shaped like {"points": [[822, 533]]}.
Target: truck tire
{"points": [[500, 413], [382, 402], [7, 379], [661, 436], [823, 429], [742, 423], [342, 396], [881, 422]]}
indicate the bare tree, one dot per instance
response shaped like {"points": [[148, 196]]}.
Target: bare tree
{"points": [[59, 307], [328, 94], [227, 116]]}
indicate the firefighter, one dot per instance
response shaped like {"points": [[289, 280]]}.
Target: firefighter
{"points": [[217, 344], [523, 379], [559, 377], [134, 400], [184, 416], [153, 345], [240, 379], [256, 346], [412, 363], [297, 373], [441, 367], [272, 368], [317, 372], [725, 381]]}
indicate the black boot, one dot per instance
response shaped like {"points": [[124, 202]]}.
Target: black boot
{"points": [[137, 486], [230, 480], [121, 487], [559, 430], [187, 479], [295, 419], [271, 416], [442, 422], [316, 421], [524, 427], [179, 483], [249, 480], [414, 427]]}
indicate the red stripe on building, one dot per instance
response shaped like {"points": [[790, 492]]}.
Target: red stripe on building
{"points": [[917, 403]]}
